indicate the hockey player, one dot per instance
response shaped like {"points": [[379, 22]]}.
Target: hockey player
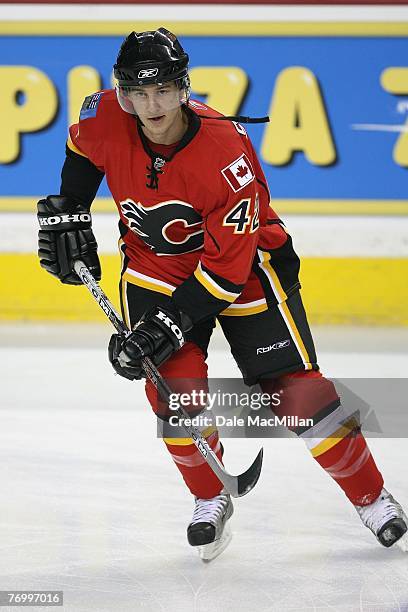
{"points": [[199, 241]]}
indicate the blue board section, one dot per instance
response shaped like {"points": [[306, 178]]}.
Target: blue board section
{"points": [[348, 71]]}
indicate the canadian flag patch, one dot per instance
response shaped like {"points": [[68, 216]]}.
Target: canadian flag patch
{"points": [[239, 173]]}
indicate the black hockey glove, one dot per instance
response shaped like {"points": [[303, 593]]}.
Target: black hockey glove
{"points": [[114, 350], [159, 334], [64, 237]]}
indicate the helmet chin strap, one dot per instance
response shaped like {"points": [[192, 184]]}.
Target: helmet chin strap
{"points": [[239, 119]]}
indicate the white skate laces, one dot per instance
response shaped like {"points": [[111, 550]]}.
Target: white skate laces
{"points": [[210, 510], [208, 530], [385, 518]]}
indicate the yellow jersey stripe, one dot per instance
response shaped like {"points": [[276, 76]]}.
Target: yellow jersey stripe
{"points": [[280, 294], [125, 302], [147, 284], [294, 330], [188, 441], [74, 148], [243, 312], [334, 439], [213, 288], [123, 285], [272, 276]]}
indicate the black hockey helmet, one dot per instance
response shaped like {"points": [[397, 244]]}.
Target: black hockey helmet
{"points": [[152, 57]]}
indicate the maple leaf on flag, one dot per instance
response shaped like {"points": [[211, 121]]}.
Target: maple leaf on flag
{"points": [[241, 171]]}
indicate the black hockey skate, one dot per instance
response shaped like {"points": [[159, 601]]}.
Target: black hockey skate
{"points": [[209, 529], [386, 519]]}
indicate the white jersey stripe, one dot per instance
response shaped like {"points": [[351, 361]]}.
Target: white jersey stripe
{"points": [[212, 282], [281, 298], [247, 304], [293, 336], [150, 279]]}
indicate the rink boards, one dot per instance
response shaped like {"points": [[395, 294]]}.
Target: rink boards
{"points": [[335, 151], [336, 95], [357, 289]]}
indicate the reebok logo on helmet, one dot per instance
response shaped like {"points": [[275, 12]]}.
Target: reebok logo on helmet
{"points": [[147, 73]]}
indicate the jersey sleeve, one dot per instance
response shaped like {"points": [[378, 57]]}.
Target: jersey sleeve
{"points": [[230, 241], [80, 179], [86, 136]]}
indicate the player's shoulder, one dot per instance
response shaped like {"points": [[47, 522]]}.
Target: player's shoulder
{"points": [[226, 148], [225, 136], [98, 104]]}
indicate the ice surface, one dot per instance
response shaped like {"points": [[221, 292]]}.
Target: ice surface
{"points": [[92, 504]]}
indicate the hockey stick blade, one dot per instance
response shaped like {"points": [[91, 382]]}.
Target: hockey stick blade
{"points": [[237, 486], [248, 479]]}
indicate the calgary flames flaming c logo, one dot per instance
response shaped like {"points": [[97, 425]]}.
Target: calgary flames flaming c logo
{"points": [[168, 228]]}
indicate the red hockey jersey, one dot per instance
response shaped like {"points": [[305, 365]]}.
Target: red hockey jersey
{"points": [[190, 224]]}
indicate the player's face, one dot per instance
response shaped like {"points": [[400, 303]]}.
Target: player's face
{"points": [[155, 98], [159, 109]]}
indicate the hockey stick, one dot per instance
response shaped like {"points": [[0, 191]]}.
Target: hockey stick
{"points": [[237, 486]]}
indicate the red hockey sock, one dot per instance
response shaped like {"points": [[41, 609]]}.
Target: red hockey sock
{"points": [[335, 443], [351, 464], [186, 372], [196, 472]]}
